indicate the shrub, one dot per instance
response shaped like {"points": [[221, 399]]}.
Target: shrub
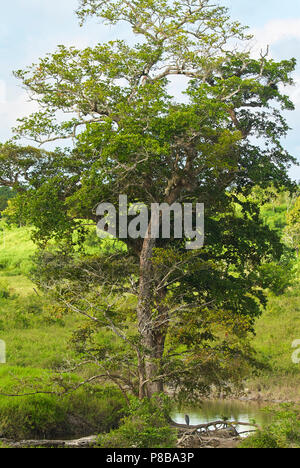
{"points": [[145, 426], [260, 440], [282, 432], [276, 277]]}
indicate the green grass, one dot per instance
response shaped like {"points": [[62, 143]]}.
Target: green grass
{"points": [[16, 248], [33, 336], [37, 344], [90, 409], [276, 330], [278, 327], [41, 347]]}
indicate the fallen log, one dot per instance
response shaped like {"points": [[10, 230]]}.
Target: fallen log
{"points": [[213, 424], [85, 442]]}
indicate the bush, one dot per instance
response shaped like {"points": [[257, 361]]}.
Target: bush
{"points": [[276, 277], [283, 432], [260, 440], [145, 426]]}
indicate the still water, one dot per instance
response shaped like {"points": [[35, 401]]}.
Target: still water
{"points": [[215, 410]]}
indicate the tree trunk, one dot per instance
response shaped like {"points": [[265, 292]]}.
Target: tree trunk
{"points": [[152, 335]]}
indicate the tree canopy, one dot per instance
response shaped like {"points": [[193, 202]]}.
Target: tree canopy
{"points": [[190, 312]]}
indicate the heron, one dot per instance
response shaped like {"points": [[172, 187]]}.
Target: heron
{"points": [[187, 419]]}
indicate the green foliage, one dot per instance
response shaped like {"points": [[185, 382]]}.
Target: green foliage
{"points": [[276, 277], [6, 193], [131, 136], [47, 415], [145, 426], [282, 432], [261, 440], [293, 226]]}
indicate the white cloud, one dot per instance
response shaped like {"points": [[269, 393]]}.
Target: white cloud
{"points": [[277, 30], [294, 91], [11, 110]]}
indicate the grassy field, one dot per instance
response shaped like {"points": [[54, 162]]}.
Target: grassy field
{"points": [[276, 330], [278, 327], [33, 337]]}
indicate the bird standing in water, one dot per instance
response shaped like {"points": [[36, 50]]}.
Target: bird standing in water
{"points": [[187, 419]]}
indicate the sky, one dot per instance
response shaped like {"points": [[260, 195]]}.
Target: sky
{"points": [[31, 28]]}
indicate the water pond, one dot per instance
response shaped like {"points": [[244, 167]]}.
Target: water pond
{"points": [[214, 410]]}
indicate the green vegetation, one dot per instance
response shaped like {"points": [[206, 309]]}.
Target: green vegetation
{"points": [[6, 193], [34, 336], [282, 432], [121, 321], [182, 316], [279, 325], [90, 409], [145, 426], [16, 249], [292, 230], [276, 330], [38, 343]]}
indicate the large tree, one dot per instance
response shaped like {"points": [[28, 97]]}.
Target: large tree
{"points": [[129, 134]]}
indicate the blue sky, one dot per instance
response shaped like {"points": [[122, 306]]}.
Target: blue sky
{"points": [[31, 28]]}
